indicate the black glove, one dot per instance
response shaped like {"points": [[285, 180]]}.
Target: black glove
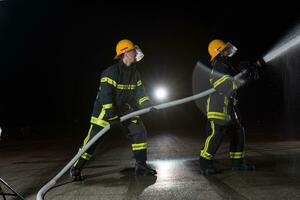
{"points": [[116, 125], [254, 73]]}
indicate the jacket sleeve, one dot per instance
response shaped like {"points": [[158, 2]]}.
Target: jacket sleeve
{"points": [[224, 84], [107, 88], [142, 100]]}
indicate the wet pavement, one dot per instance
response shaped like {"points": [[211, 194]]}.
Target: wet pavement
{"points": [[28, 164]]}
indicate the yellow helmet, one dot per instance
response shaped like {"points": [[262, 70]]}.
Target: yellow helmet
{"points": [[215, 47], [123, 46]]}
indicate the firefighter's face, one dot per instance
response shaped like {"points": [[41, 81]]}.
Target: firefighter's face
{"points": [[131, 56]]}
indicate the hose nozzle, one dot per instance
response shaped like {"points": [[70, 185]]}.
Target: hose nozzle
{"points": [[261, 62]]}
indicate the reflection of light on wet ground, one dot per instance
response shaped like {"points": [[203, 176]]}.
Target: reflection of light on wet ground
{"points": [[165, 168], [168, 171]]}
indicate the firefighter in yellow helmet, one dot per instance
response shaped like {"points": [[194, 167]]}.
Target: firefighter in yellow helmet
{"points": [[222, 112], [121, 91]]}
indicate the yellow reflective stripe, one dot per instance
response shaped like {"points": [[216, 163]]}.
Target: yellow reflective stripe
{"points": [[139, 146], [120, 86], [88, 135], [139, 83], [102, 113], [221, 80], [236, 155], [207, 106], [216, 115], [107, 106], [206, 155], [204, 152], [143, 99], [86, 156], [126, 87], [103, 110], [109, 81], [99, 122]]}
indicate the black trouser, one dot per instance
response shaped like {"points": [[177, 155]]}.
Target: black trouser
{"points": [[215, 134], [136, 133]]}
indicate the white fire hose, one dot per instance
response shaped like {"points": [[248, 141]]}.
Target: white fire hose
{"points": [[52, 182]]}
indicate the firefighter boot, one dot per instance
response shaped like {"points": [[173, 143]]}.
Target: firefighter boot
{"points": [[75, 174], [142, 169], [240, 165], [75, 171], [207, 167]]}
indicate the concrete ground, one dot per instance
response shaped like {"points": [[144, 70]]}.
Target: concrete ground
{"points": [[28, 164]]}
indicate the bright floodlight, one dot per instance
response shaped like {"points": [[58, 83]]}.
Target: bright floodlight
{"points": [[161, 93]]}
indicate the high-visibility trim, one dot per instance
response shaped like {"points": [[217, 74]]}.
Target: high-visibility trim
{"points": [[86, 156], [206, 155], [139, 83], [99, 122], [103, 110], [220, 80], [107, 106], [139, 146], [109, 81], [237, 155], [102, 113], [88, 135], [119, 86], [204, 152], [126, 87], [216, 115], [143, 99], [208, 104]]}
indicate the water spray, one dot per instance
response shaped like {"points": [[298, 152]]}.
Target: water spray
{"points": [[280, 50]]}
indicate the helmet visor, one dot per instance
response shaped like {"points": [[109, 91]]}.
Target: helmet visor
{"points": [[139, 54], [229, 50]]}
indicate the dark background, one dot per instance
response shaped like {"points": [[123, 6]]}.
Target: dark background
{"points": [[53, 52]]}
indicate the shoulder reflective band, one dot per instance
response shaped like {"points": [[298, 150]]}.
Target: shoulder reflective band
{"points": [[221, 80], [109, 81]]}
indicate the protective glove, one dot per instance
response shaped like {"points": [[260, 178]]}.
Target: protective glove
{"points": [[116, 125], [254, 73], [252, 68]]}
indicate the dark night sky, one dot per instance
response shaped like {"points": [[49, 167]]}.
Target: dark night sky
{"points": [[52, 54]]}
